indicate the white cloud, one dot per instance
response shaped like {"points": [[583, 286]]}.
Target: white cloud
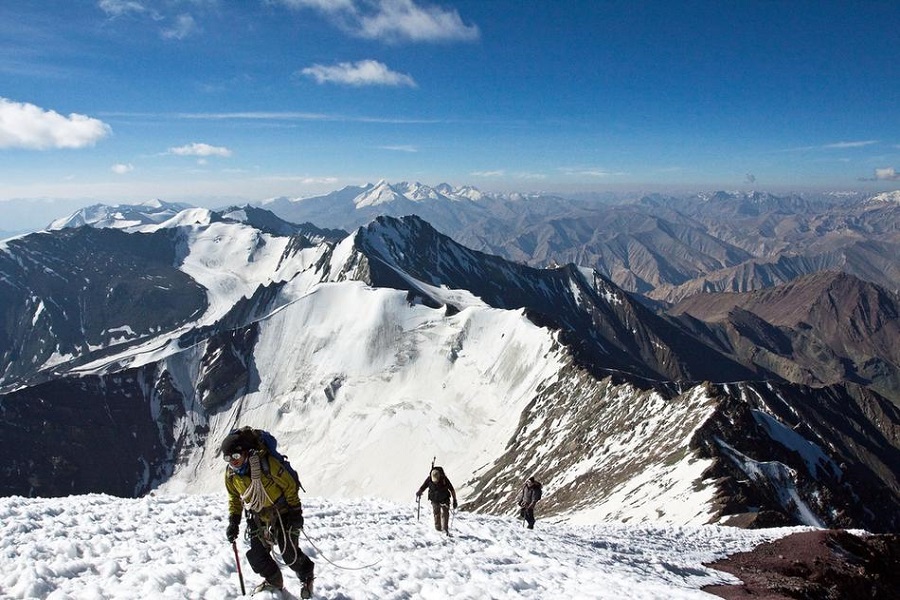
{"points": [[24, 125], [304, 179], [327, 6], [488, 173], [589, 172], [861, 144], [358, 74], [183, 27], [392, 20], [833, 146], [404, 20], [887, 174], [121, 168], [401, 148], [174, 27], [275, 117], [117, 8], [200, 149]]}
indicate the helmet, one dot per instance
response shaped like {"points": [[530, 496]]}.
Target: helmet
{"points": [[236, 442]]}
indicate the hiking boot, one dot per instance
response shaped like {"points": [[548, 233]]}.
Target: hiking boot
{"points": [[306, 590], [274, 583], [265, 586]]}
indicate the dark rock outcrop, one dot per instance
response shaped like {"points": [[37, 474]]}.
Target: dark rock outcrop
{"points": [[815, 565]]}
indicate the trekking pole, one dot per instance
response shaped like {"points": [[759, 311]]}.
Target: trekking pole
{"points": [[418, 506], [237, 561]]}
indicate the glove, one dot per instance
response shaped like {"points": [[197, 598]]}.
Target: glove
{"points": [[234, 522], [293, 519], [418, 495]]}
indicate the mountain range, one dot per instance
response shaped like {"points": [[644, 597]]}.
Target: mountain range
{"points": [[131, 345], [664, 247]]}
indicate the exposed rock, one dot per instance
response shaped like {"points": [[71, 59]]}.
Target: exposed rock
{"points": [[815, 565]]}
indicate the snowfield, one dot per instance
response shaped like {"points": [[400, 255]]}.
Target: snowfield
{"points": [[173, 546]]}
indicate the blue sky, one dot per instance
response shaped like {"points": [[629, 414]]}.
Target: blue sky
{"points": [[206, 100]]}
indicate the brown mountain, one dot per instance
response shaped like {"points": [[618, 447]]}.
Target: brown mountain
{"points": [[819, 329]]}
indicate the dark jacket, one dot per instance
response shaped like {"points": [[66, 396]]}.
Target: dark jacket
{"points": [[529, 494], [440, 491]]}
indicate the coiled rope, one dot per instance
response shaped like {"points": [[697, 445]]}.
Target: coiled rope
{"points": [[255, 496]]}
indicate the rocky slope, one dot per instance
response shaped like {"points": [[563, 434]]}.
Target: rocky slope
{"points": [[817, 330], [815, 565]]}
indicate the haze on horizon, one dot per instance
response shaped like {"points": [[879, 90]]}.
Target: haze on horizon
{"points": [[214, 102]]}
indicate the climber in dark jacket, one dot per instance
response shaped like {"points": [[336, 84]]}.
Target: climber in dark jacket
{"points": [[527, 498], [440, 492]]}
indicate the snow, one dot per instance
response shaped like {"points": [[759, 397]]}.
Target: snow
{"points": [[382, 193], [813, 455], [97, 547], [781, 478], [664, 481], [382, 392], [888, 197]]}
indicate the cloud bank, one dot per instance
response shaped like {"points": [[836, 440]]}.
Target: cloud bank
{"points": [[24, 125], [361, 73]]}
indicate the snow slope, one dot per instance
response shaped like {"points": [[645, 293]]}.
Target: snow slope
{"points": [[173, 547], [359, 403]]}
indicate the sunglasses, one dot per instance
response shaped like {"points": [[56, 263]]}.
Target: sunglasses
{"points": [[233, 456]]}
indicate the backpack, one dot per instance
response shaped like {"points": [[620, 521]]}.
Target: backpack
{"points": [[266, 443], [537, 490]]}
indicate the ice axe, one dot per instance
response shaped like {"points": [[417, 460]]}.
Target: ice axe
{"points": [[237, 561]]}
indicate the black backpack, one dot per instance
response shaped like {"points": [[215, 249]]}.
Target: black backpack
{"points": [[266, 443]]}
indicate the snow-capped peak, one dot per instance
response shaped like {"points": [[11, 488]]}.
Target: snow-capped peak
{"points": [[380, 193], [384, 192], [887, 197], [133, 217]]}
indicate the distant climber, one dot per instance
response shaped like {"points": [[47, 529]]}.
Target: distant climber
{"points": [[528, 497], [440, 493], [260, 483]]}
